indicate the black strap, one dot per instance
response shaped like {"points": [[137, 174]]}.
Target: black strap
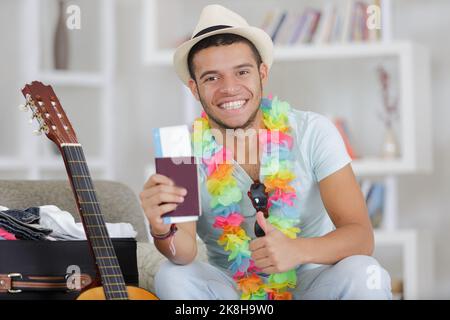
{"points": [[210, 29]]}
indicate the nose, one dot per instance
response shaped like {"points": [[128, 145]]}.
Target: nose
{"points": [[230, 86]]}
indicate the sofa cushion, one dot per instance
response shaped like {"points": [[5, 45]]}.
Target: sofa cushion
{"points": [[118, 202]]}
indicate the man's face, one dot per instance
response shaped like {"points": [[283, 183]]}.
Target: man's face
{"points": [[228, 84]]}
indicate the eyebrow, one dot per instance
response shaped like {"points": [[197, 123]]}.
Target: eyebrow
{"points": [[236, 67]]}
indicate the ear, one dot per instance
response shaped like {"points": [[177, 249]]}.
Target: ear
{"points": [[264, 73], [193, 87]]}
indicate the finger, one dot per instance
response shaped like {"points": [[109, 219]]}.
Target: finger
{"points": [[257, 244], [158, 179], [259, 254], [161, 210], [270, 270], [263, 263], [163, 188], [160, 198]]}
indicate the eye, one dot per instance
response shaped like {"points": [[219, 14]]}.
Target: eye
{"points": [[243, 72], [212, 78]]}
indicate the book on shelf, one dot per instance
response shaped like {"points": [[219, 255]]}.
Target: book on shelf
{"points": [[374, 195], [346, 18], [313, 22], [344, 131], [285, 34], [268, 20], [272, 21], [298, 27], [333, 23], [278, 24], [326, 24], [365, 185]]}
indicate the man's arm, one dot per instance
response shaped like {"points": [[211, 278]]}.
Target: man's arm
{"points": [[343, 200], [345, 204], [184, 241]]}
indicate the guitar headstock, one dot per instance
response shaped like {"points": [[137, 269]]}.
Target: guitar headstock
{"points": [[48, 112]]}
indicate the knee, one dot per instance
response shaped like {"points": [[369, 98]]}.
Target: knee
{"points": [[363, 278], [194, 281], [172, 281]]}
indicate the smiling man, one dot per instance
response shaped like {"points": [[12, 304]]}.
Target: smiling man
{"points": [[314, 236]]}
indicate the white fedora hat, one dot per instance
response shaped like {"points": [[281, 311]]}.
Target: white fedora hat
{"points": [[216, 19]]}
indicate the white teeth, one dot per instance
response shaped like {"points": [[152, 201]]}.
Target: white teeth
{"points": [[233, 105]]}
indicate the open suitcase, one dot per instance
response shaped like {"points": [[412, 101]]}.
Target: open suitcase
{"points": [[48, 269]]}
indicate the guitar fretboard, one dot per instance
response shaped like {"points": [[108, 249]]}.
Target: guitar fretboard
{"points": [[94, 224]]}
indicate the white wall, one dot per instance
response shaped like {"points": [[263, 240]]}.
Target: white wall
{"points": [[9, 75]]}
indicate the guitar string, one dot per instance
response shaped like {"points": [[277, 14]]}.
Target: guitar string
{"points": [[103, 230], [100, 222], [97, 216], [99, 261]]}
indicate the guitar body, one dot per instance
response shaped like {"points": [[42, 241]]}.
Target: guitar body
{"points": [[134, 293]]}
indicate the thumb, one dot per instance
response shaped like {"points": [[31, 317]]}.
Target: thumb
{"points": [[263, 223]]}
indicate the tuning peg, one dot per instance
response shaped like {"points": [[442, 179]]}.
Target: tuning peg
{"points": [[23, 107], [37, 132], [32, 118]]}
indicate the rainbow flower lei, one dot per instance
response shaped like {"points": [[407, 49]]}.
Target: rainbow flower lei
{"points": [[276, 173]]}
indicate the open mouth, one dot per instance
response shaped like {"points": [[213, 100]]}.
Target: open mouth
{"points": [[233, 105]]}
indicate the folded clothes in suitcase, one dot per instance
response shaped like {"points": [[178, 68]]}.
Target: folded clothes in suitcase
{"points": [[57, 269]]}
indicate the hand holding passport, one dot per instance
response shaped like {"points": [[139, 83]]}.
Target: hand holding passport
{"points": [[173, 159]]}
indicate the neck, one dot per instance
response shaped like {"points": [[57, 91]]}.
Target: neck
{"points": [[94, 225]]}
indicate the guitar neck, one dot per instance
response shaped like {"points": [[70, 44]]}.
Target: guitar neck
{"points": [[93, 222]]}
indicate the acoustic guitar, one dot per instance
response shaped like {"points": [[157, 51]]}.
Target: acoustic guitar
{"points": [[47, 110]]}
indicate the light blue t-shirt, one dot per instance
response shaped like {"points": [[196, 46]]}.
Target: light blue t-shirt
{"points": [[319, 151]]}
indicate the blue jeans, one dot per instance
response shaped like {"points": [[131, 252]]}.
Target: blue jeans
{"points": [[23, 224], [355, 277]]}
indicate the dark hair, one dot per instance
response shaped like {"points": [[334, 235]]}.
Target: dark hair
{"points": [[223, 39]]}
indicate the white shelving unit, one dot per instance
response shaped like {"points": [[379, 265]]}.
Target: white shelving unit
{"points": [[417, 260], [415, 136], [74, 78], [34, 157]]}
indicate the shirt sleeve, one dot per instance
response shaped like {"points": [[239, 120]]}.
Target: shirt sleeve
{"points": [[327, 149]]}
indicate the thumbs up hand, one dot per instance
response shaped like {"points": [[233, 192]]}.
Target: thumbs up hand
{"points": [[274, 252]]}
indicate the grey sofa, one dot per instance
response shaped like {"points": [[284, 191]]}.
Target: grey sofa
{"points": [[118, 202]]}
